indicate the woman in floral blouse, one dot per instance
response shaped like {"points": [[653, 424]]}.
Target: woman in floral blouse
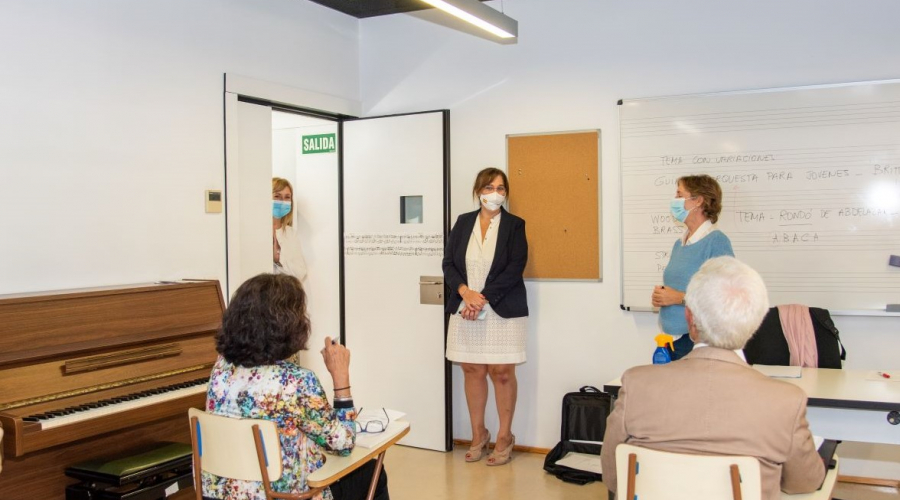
{"points": [[264, 325]]}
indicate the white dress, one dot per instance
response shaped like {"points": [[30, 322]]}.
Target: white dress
{"points": [[493, 340], [292, 261]]}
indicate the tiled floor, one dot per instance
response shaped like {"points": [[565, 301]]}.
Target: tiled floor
{"points": [[415, 474]]}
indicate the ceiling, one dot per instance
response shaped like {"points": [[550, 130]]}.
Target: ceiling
{"points": [[371, 8]]}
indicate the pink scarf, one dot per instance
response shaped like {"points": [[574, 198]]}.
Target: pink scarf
{"points": [[800, 335]]}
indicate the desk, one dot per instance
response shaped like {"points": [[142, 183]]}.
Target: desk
{"points": [[842, 404], [824, 493], [337, 467]]}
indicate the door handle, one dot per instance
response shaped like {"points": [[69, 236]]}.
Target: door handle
{"points": [[431, 282]]}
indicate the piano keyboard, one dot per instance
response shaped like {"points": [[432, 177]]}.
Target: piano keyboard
{"points": [[73, 414]]}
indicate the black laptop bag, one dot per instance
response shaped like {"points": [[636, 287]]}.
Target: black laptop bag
{"points": [[583, 419]]}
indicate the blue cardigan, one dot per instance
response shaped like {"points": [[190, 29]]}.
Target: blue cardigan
{"points": [[683, 263], [504, 287]]}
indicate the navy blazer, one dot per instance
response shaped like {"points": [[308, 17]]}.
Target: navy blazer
{"points": [[504, 287]]}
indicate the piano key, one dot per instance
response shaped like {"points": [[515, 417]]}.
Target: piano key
{"points": [[111, 402], [111, 408]]}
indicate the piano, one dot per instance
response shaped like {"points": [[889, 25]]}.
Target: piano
{"points": [[91, 373]]}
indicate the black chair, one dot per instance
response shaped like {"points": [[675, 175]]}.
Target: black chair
{"points": [[769, 347]]}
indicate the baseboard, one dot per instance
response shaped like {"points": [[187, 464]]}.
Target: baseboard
{"points": [[520, 448], [872, 481]]}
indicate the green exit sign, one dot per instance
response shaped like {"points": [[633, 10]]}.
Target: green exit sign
{"points": [[321, 143]]}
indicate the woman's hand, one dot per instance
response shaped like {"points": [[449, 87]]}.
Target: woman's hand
{"points": [[473, 299], [474, 303], [470, 313], [663, 296], [337, 361]]}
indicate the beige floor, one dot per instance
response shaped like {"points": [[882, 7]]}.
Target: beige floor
{"points": [[416, 474]]}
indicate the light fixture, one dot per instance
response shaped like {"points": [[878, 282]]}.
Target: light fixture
{"points": [[478, 14]]}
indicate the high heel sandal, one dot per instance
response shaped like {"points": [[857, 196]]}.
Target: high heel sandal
{"points": [[476, 451], [502, 457]]}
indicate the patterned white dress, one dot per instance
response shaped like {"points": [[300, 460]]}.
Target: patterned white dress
{"points": [[493, 340]]}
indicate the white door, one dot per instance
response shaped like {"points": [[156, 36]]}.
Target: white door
{"points": [[395, 218]]}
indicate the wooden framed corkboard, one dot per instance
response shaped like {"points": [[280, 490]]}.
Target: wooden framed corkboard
{"points": [[554, 182]]}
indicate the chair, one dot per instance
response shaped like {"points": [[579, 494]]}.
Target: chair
{"points": [[658, 475], [238, 448], [769, 347]]}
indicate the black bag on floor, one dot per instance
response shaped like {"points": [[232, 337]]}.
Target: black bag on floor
{"points": [[583, 419]]}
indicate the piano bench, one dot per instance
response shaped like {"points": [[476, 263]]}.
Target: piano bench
{"points": [[146, 474]]}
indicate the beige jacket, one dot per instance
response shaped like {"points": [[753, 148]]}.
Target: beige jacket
{"points": [[712, 403]]}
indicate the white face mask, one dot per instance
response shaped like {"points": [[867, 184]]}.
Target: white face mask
{"points": [[492, 201]]}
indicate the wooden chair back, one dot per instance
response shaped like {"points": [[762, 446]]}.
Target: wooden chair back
{"points": [[238, 448], [647, 474]]}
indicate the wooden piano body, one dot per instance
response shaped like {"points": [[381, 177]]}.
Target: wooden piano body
{"points": [[117, 345]]}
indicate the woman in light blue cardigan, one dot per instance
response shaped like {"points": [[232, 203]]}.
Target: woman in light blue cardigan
{"points": [[697, 203]]}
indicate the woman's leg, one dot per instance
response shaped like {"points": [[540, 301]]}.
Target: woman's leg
{"points": [[476, 398], [505, 392], [355, 486]]}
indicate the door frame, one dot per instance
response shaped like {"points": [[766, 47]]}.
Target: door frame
{"points": [[289, 100]]}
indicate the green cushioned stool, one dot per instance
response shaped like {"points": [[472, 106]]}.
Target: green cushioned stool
{"points": [[147, 474]]}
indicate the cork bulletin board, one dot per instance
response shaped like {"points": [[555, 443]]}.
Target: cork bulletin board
{"points": [[554, 182]]}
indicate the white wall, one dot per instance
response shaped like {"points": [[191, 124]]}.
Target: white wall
{"points": [[111, 127], [574, 60]]}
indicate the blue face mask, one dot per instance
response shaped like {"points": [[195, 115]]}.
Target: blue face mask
{"points": [[676, 206], [280, 208]]}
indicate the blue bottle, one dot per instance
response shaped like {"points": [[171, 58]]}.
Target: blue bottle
{"points": [[662, 354]]}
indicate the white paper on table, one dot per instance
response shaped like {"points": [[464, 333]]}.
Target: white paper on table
{"points": [[582, 461], [779, 371]]}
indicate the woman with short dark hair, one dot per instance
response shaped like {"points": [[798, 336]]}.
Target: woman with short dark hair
{"points": [[266, 323]]}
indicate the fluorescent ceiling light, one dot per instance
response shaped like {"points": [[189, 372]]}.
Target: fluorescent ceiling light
{"points": [[478, 14]]}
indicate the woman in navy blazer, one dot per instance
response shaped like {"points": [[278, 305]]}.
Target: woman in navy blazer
{"points": [[483, 264]]}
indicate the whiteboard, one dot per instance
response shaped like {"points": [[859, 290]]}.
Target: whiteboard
{"points": [[810, 179]]}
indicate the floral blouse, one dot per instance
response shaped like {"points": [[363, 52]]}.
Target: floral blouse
{"points": [[293, 397]]}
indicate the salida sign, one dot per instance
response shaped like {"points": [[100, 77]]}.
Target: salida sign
{"points": [[321, 143]]}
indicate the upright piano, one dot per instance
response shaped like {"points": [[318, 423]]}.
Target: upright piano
{"points": [[86, 374]]}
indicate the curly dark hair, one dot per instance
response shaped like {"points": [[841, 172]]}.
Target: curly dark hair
{"points": [[265, 322]]}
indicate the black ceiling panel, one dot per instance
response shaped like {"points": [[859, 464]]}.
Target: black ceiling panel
{"points": [[372, 8]]}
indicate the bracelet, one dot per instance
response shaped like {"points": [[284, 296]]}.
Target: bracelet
{"points": [[342, 400], [341, 388]]}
